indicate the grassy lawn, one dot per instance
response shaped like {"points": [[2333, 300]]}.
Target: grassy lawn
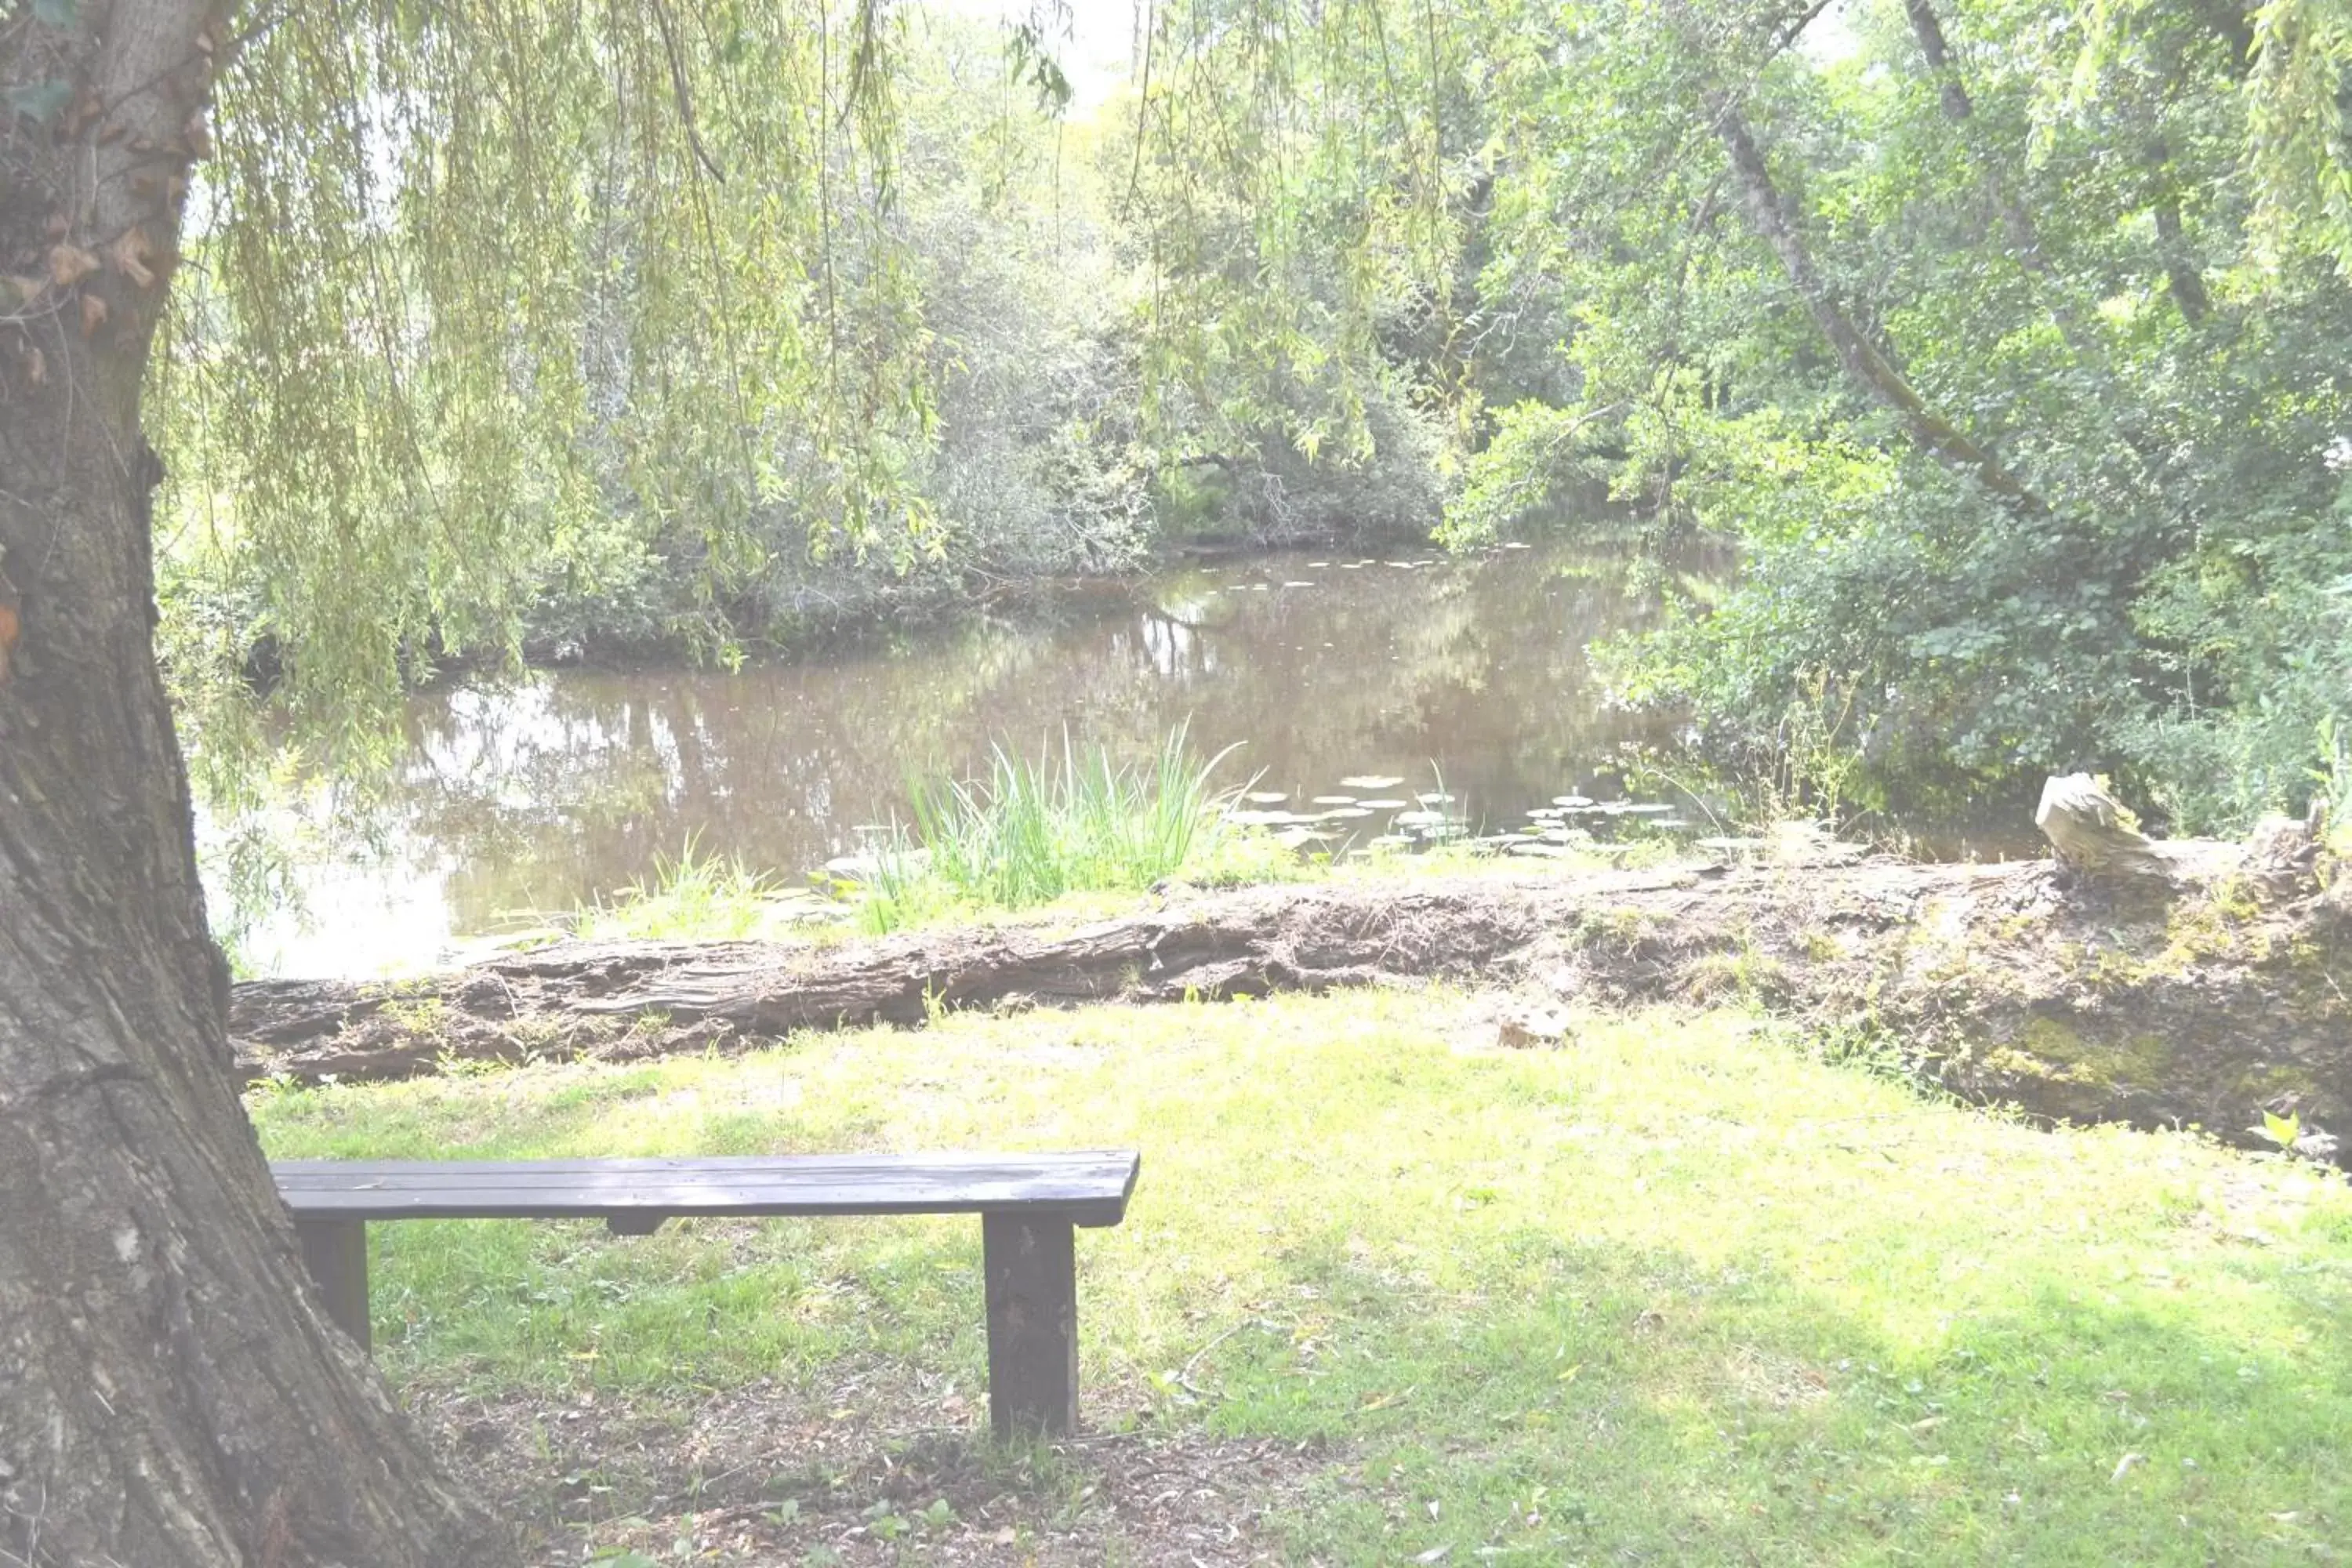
{"points": [[1677, 1292]]}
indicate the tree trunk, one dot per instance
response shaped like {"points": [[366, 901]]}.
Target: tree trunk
{"points": [[168, 1394], [2172, 249], [1769, 214], [1928, 29]]}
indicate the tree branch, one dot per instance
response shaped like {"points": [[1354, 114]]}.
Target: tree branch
{"points": [[1769, 214], [2017, 224]]}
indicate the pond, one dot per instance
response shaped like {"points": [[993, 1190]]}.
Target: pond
{"points": [[1378, 679]]}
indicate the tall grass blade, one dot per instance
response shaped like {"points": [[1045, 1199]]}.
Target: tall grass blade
{"points": [[1034, 830]]}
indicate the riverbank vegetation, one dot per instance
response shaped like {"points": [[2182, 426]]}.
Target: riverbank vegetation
{"points": [[1075, 835], [894, 884], [1997, 336], [1678, 1284], [1034, 830]]}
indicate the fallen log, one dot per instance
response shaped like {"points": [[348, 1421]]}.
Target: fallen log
{"points": [[2207, 1004]]}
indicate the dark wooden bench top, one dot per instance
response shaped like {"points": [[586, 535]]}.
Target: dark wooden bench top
{"points": [[1089, 1188], [1029, 1206]]}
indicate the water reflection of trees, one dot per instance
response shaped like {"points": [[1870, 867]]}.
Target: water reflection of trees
{"points": [[539, 794]]}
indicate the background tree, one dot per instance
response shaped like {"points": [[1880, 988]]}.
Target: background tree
{"points": [[1967, 322]]}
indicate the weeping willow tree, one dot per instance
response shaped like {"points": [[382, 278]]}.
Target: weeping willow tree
{"points": [[437, 274], [1292, 183]]}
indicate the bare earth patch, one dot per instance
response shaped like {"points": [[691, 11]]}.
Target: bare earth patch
{"points": [[858, 1473]]}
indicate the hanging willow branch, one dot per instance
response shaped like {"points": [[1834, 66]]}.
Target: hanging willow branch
{"points": [[685, 94], [466, 283]]}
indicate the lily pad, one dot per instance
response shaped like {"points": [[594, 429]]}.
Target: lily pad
{"points": [[1369, 781]]}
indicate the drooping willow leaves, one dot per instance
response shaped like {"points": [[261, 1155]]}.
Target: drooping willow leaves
{"points": [[1293, 178], [490, 296]]}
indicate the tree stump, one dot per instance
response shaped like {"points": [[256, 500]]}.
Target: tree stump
{"points": [[2283, 857], [2092, 832]]}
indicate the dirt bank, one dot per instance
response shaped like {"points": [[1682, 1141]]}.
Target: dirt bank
{"points": [[2206, 997]]}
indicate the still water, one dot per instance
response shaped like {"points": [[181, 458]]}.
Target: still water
{"points": [[1468, 677]]}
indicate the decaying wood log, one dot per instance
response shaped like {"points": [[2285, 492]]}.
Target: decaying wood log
{"points": [[1998, 980]]}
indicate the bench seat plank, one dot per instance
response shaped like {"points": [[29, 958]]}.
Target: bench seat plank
{"points": [[1028, 1204], [1087, 1188]]}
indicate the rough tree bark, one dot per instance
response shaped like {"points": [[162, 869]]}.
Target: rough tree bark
{"points": [[2173, 249], [169, 1395]]}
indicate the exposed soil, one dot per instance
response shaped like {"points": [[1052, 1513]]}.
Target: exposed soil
{"points": [[873, 1469], [2203, 995]]}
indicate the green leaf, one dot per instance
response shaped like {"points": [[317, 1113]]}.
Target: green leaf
{"points": [[56, 12]]}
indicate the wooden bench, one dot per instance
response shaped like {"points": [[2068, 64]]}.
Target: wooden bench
{"points": [[1029, 1205]]}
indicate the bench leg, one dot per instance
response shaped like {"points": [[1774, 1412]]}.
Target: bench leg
{"points": [[1033, 1324], [336, 1251]]}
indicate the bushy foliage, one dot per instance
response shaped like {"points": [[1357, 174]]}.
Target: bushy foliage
{"points": [[1964, 322]]}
